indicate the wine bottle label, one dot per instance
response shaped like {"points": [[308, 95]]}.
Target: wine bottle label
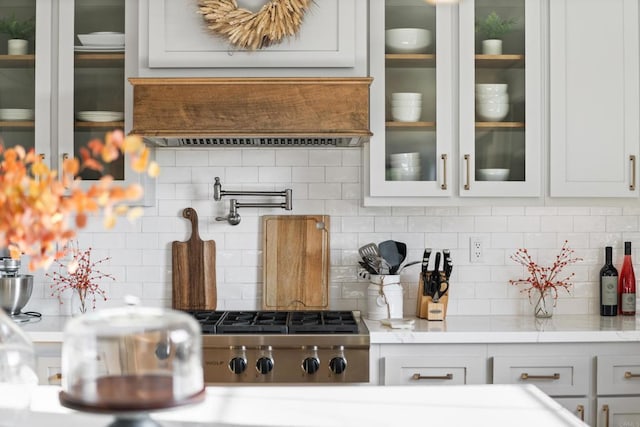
{"points": [[628, 302], [610, 290]]}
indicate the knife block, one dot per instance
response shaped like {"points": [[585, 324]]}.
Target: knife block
{"points": [[426, 308]]}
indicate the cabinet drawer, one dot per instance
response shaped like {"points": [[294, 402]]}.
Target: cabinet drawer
{"points": [[556, 376], [578, 406], [618, 375], [433, 370]]}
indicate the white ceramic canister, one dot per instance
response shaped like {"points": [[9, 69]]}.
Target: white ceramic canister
{"points": [[384, 297]]}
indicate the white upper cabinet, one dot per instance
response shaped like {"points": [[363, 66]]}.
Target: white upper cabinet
{"points": [[594, 98], [500, 98], [412, 102], [496, 151], [332, 35], [25, 82]]}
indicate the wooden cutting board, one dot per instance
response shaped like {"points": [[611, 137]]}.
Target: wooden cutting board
{"points": [[194, 270], [295, 262]]}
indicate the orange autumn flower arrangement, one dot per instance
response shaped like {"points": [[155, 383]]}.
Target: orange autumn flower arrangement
{"points": [[41, 210]]}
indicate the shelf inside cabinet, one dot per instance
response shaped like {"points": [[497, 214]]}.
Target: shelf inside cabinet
{"points": [[17, 61], [411, 125], [425, 60], [17, 124], [99, 125], [500, 61], [99, 59], [504, 125]]}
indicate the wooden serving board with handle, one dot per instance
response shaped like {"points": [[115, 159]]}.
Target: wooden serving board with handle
{"points": [[194, 270], [295, 262]]}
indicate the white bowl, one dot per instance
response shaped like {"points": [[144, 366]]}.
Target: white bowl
{"points": [[16, 114], [102, 38], [495, 98], [402, 174], [407, 40], [492, 112], [406, 96], [493, 174], [406, 114], [488, 88], [405, 103], [405, 160]]}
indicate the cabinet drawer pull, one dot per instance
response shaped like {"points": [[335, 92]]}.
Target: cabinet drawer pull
{"points": [[605, 411], [629, 374], [525, 376], [444, 172], [467, 160], [580, 411], [432, 377], [632, 185], [55, 377]]}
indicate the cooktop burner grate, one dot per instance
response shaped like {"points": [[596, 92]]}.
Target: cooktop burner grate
{"points": [[322, 322], [276, 322], [249, 322]]}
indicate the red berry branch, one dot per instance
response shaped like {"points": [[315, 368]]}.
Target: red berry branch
{"points": [[82, 275], [541, 278]]}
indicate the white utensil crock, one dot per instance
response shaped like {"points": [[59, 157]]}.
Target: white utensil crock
{"points": [[384, 297]]}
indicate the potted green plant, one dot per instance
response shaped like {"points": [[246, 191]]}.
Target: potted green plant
{"points": [[492, 29], [19, 32]]}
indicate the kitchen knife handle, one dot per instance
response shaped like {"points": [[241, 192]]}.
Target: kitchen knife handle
{"points": [[605, 411], [417, 377], [467, 160], [444, 172], [526, 376], [629, 374], [632, 185]]}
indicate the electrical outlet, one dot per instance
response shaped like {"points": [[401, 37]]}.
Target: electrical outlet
{"points": [[476, 250]]}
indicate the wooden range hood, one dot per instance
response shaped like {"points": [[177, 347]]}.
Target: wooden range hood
{"points": [[251, 111]]}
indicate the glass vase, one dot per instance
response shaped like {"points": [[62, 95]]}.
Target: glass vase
{"points": [[543, 304], [79, 302]]}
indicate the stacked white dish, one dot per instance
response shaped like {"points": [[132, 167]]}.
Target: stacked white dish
{"points": [[407, 40], [492, 101], [493, 174], [101, 41], [100, 116], [16, 114], [405, 166], [406, 106]]}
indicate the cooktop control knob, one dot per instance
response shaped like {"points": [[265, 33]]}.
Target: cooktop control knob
{"points": [[311, 365], [238, 365], [338, 364], [264, 365]]}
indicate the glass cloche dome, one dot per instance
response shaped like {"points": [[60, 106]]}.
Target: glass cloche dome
{"points": [[131, 359]]}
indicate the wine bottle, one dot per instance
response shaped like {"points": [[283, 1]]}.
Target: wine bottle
{"points": [[608, 286], [627, 284]]}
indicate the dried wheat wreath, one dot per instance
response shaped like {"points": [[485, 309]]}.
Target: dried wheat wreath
{"points": [[270, 25]]}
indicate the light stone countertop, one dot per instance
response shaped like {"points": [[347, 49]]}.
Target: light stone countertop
{"points": [[337, 406], [510, 329], [455, 330]]}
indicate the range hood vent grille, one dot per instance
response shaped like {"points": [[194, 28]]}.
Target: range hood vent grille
{"points": [[251, 112], [255, 142]]}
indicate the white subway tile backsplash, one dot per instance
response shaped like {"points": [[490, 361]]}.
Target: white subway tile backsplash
{"points": [[327, 181]]}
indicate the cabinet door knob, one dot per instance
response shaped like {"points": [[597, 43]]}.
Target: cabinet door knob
{"points": [[444, 171]]}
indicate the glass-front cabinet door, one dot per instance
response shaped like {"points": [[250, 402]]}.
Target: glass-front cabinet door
{"points": [[411, 98], [25, 82], [91, 77], [500, 97]]}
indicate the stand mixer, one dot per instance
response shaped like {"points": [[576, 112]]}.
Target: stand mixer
{"points": [[15, 288]]}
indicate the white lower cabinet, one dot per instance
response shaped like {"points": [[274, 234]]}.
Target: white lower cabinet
{"points": [[48, 363], [578, 406], [618, 387]]}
